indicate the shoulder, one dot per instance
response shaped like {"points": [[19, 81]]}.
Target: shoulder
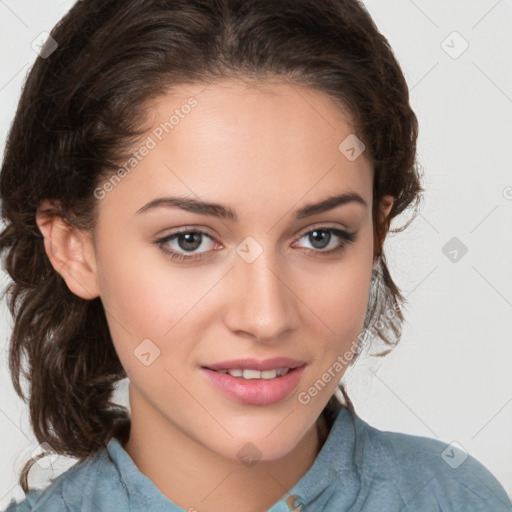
{"points": [[427, 472], [87, 481]]}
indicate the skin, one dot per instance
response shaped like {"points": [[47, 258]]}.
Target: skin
{"points": [[265, 153]]}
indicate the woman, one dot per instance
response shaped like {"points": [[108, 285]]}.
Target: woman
{"points": [[196, 196]]}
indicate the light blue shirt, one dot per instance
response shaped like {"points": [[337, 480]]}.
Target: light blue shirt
{"points": [[358, 469]]}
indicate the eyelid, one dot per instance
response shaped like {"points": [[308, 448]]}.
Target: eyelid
{"points": [[322, 225], [298, 235], [186, 229]]}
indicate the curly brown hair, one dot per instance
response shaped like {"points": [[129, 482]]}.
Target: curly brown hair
{"points": [[81, 111]]}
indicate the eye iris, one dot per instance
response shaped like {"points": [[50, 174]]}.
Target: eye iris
{"points": [[191, 241], [324, 236]]}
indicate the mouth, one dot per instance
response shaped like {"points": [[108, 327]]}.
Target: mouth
{"points": [[255, 382]]}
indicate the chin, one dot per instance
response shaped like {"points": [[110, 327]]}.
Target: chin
{"points": [[262, 444]]}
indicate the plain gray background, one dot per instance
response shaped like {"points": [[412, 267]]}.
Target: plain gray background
{"points": [[449, 378]]}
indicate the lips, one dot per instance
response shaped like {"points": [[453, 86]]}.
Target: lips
{"points": [[259, 383]]}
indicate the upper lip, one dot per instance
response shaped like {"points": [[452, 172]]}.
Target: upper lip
{"points": [[256, 364]]}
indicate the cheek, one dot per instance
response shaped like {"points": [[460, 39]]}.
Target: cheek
{"points": [[143, 292], [341, 291], [138, 292], [351, 297], [146, 297]]}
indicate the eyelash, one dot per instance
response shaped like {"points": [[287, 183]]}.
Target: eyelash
{"points": [[346, 239]]}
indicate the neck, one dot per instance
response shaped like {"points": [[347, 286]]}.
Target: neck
{"points": [[196, 478]]}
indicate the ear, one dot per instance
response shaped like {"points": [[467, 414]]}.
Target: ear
{"points": [[386, 203], [70, 251]]}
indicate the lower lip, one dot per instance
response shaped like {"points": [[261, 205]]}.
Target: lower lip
{"points": [[255, 391]]}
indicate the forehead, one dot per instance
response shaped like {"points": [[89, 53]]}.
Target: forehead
{"points": [[230, 141], [229, 111]]}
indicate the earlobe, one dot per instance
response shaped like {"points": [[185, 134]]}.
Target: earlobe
{"points": [[70, 252]]}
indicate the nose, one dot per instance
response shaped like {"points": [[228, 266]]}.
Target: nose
{"points": [[262, 304]]}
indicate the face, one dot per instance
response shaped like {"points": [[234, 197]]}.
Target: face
{"points": [[263, 277]]}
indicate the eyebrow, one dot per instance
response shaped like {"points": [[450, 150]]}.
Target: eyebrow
{"points": [[222, 212]]}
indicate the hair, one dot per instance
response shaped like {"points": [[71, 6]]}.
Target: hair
{"points": [[82, 109]]}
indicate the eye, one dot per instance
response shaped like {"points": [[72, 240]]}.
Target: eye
{"points": [[186, 240], [325, 237]]}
